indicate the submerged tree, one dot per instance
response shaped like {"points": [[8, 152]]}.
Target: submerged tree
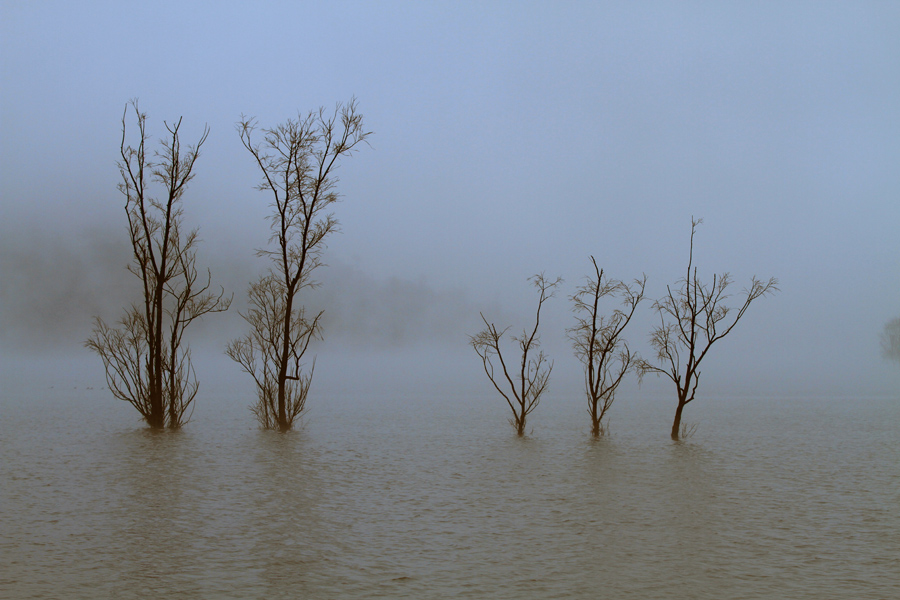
{"points": [[598, 341], [524, 392], [890, 340], [146, 360], [298, 160], [693, 317]]}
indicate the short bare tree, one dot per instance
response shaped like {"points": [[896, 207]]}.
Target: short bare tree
{"points": [[890, 340], [693, 317], [598, 340], [524, 392], [146, 359], [298, 160]]}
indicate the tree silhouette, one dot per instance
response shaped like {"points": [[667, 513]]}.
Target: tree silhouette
{"points": [[598, 342], [890, 340], [524, 393], [298, 160], [146, 360], [693, 317]]}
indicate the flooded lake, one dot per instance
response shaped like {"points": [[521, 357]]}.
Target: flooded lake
{"points": [[433, 496]]}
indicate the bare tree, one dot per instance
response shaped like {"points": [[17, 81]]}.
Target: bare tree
{"points": [[692, 318], [598, 340], [524, 393], [890, 340], [146, 360], [298, 160]]}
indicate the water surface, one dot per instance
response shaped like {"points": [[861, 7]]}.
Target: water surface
{"points": [[433, 496]]}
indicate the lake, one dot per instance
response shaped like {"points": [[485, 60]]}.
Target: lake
{"points": [[432, 495]]}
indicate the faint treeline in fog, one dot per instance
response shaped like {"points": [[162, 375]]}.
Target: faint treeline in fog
{"points": [[54, 283], [53, 279]]}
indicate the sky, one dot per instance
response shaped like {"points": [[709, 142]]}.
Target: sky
{"points": [[509, 138]]}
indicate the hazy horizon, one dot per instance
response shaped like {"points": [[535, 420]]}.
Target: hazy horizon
{"points": [[509, 139]]}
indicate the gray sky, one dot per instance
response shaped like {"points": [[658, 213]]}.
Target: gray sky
{"points": [[510, 138]]}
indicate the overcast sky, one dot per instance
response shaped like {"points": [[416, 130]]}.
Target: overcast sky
{"points": [[509, 138]]}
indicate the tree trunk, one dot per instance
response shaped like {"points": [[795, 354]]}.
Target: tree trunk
{"points": [[676, 426], [595, 421], [157, 418], [157, 409], [174, 417], [282, 383], [283, 423]]}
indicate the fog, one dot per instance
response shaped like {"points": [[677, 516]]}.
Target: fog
{"points": [[509, 139]]}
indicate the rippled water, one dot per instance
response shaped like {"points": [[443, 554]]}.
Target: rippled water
{"points": [[434, 497]]}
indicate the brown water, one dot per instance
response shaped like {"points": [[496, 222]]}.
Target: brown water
{"points": [[434, 497]]}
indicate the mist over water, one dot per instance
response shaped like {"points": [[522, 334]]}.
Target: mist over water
{"points": [[54, 284]]}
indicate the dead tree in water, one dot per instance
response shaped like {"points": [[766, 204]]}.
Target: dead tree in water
{"points": [[147, 363], [298, 160], [525, 392], [692, 319], [598, 341]]}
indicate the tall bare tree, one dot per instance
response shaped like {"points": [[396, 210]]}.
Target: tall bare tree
{"points": [[146, 359], [693, 317], [890, 340], [524, 393], [298, 161], [598, 340]]}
